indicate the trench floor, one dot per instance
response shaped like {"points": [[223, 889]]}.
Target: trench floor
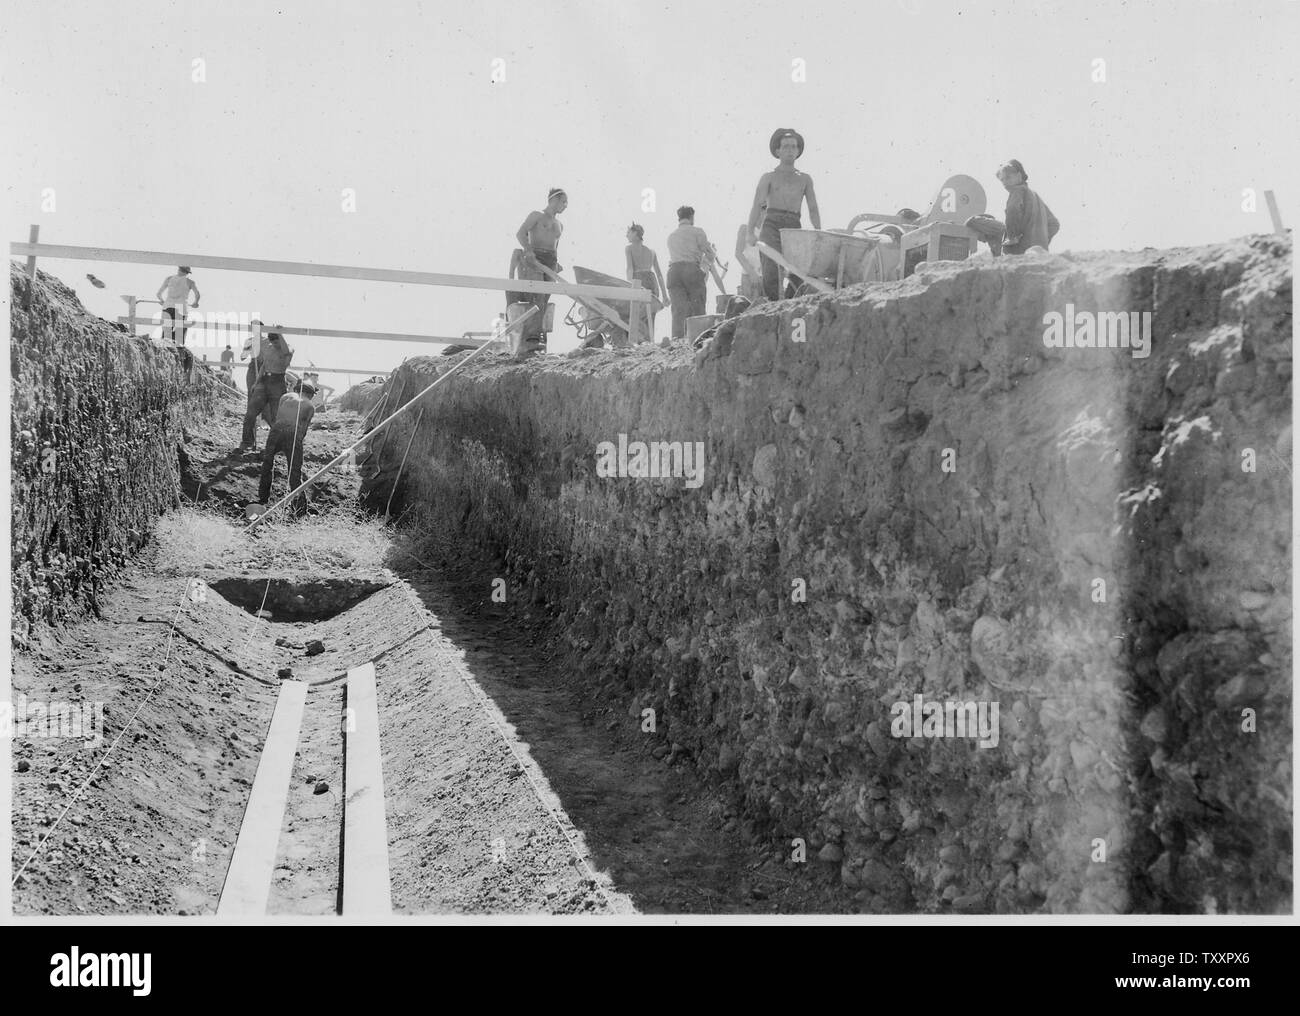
{"points": [[505, 793]]}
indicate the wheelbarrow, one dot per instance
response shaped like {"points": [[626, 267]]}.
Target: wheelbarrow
{"points": [[836, 256], [593, 321]]}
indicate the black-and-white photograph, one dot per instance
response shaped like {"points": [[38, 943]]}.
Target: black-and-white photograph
{"points": [[600, 462]]}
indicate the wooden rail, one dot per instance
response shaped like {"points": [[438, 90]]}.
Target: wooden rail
{"points": [[320, 333], [142, 257], [366, 886], [252, 865], [237, 367]]}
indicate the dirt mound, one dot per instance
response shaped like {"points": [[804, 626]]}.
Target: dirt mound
{"points": [[361, 398]]}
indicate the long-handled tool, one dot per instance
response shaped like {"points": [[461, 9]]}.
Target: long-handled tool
{"points": [[589, 302], [775, 255], [712, 264]]}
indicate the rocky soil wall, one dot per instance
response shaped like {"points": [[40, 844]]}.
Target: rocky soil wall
{"points": [[362, 397], [96, 421], [906, 493]]}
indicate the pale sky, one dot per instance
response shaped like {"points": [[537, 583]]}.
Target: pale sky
{"points": [[605, 99]]}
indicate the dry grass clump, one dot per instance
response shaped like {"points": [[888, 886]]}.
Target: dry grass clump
{"points": [[192, 539]]}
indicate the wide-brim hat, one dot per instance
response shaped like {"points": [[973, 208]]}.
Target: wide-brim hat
{"points": [[780, 133]]}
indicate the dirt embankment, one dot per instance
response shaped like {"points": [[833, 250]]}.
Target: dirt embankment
{"points": [[109, 432], [96, 419], [361, 398], [906, 491]]}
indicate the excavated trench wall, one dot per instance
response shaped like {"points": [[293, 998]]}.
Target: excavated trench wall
{"points": [[907, 493], [95, 427], [361, 398]]}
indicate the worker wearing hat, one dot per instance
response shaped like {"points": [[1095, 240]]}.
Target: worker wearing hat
{"points": [[778, 203], [292, 419]]}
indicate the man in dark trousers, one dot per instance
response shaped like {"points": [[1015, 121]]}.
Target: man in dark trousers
{"points": [[689, 252], [539, 241], [292, 418], [778, 203], [268, 387], [174, 295]]}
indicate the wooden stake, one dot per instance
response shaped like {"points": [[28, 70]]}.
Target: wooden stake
{"points": [[33, 236], [1272, 211], [634, 319]]}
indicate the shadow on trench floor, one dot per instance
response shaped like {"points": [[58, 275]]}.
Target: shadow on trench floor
{"points": [[669, 841]]}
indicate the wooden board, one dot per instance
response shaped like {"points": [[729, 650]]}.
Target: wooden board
{"points": [[240, 366], [322, 333], [366, 886], [141, 257], [248, 880]]}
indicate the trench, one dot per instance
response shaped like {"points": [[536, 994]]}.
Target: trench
{"points": [[520, 773], [502, 793]]}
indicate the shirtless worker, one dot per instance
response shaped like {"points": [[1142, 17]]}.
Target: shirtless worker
{"points": [[292, 418], [539, 237], [174, 294], [783, 191]]}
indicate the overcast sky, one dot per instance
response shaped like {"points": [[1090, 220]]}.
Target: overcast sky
{"points": [[395, 100]]}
